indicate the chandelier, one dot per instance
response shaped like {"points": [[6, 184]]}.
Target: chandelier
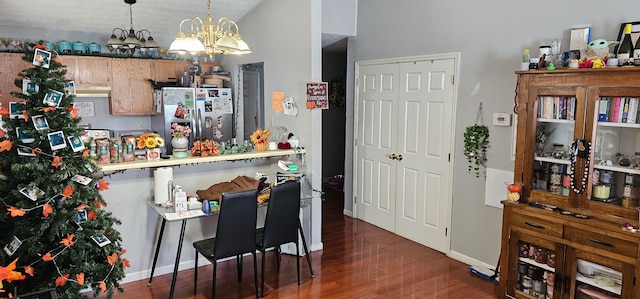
{"points": [[209, 37], [129, 42]]}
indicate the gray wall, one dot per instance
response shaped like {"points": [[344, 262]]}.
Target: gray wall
{"points": [[490, 35]]}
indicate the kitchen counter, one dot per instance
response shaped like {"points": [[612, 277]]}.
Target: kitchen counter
{"points": [[196, 160]]}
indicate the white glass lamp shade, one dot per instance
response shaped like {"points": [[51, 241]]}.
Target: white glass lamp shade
{"points": [[243, 48], [227, 44]]}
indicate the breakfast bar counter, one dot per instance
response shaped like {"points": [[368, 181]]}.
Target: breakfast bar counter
{"points": [[197, 160]]}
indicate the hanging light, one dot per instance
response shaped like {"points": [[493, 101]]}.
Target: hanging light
{"points": [[209, 37], [129, 41]]}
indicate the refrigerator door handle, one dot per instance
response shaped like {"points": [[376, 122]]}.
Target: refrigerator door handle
{"points": [[200, 123]]}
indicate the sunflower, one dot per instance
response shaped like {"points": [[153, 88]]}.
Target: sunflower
{"points": [[150, 143], [260, 136]]}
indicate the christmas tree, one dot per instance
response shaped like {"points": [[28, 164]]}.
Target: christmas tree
{"points": [[55, 232]]}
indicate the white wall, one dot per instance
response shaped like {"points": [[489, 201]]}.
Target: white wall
{"points": [[285, 35], [490, 35]]}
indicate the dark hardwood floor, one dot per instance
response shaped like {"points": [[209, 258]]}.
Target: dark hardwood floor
{"points": [[359, 260]]}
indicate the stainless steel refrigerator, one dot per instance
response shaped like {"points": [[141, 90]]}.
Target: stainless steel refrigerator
{"points": [[208, 111]]}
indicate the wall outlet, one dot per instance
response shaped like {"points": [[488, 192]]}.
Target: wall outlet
{"points": [[139, 124]]}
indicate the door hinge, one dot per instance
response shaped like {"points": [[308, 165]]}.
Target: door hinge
{"points": [[355, 199], [446, 231], [357, 82], [453, 79], [449, 157]]}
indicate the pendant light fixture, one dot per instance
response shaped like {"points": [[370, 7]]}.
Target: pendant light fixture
{"points": [[209, 37], [128, 42]]}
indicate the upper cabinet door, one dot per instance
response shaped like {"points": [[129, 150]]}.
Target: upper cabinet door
{"points": [[131, 92], [556, 122], [11, 65], [614, 129], [169, 70]]}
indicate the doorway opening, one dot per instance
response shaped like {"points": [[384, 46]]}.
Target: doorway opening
{"points": [[249, 88], [334, 71]]}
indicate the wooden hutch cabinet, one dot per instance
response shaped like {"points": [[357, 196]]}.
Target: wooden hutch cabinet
{"points": [[575, 230]]}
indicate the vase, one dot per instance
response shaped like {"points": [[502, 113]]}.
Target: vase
{"points": [[180, 142], [261, 147], [153, 154]]}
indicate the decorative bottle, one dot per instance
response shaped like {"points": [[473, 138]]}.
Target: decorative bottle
{"points": [[625, 51]]}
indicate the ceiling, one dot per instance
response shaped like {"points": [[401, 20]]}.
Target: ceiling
{"points": [[158, 16], [104, 15]]}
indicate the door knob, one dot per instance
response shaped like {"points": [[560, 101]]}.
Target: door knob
{"points": [[392, 156], [399, 158]]}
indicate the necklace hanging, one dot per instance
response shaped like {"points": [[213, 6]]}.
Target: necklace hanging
{"points": [[579, 148]]}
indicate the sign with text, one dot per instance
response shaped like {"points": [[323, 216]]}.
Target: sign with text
{"points": [[317, 95]]}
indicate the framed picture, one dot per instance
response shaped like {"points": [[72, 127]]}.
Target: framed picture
{"points": [[53, 98], [70, 87], [40, 122], [15, 111], [81, 216], [101, 240], [33, 193], [29, 87], [13, 246], [81, 179], [635, 33], [56, 140], [76, 143], [42, 58], [25, 151], [23, 137]]}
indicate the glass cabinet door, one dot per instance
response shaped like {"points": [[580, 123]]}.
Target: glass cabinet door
{"points": [[615, 179], [557, 112], [598, 277], [538, 262]]}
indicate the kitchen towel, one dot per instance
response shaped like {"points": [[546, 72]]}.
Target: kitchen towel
{"points": [[162, 177]]}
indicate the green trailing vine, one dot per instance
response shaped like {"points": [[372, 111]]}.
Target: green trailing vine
{"points": [[476, 142]]}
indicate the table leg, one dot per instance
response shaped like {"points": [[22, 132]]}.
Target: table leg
{"points": [[306, 250], [175, 267], [155, 256]]}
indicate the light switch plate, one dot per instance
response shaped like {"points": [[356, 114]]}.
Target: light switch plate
{"points": [[502, 119]]}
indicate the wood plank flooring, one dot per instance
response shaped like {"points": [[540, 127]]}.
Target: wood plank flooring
{"points": [[359, 261]]}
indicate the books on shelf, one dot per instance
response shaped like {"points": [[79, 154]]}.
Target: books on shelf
{"points": [[556, 107], [619, 110]]}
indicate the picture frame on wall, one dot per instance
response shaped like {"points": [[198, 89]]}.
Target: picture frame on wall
{"points": [[635, 33]]}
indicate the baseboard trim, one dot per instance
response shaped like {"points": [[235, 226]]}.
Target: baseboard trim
{"points": [[469, 261]]}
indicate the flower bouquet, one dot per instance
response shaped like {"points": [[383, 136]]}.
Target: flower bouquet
{"points": [[180, 131], [260, 139], [204, 148], [152, 143]]}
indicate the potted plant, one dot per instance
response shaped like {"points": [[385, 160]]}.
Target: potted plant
{"points": [[476, 142]]}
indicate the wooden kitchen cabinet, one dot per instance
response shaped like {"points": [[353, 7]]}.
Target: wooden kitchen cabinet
{"points": [[11, 64], [580, 218], [169, 70], [87, 70], [131, 92]]}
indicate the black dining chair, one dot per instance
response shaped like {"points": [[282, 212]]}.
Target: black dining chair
{"points": [[282, 225], [235, 235]]}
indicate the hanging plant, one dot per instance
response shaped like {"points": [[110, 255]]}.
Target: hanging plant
{"points": [[476, 141]]}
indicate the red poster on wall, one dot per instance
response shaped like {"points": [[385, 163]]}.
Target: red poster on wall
{"points": [[317, 95]]}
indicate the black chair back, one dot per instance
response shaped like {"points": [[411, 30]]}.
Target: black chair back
{"points": [[281, 222], [236, 224]]}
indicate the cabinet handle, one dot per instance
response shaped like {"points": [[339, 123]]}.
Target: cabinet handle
{"points": [[601, 243], [534, 225]]}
